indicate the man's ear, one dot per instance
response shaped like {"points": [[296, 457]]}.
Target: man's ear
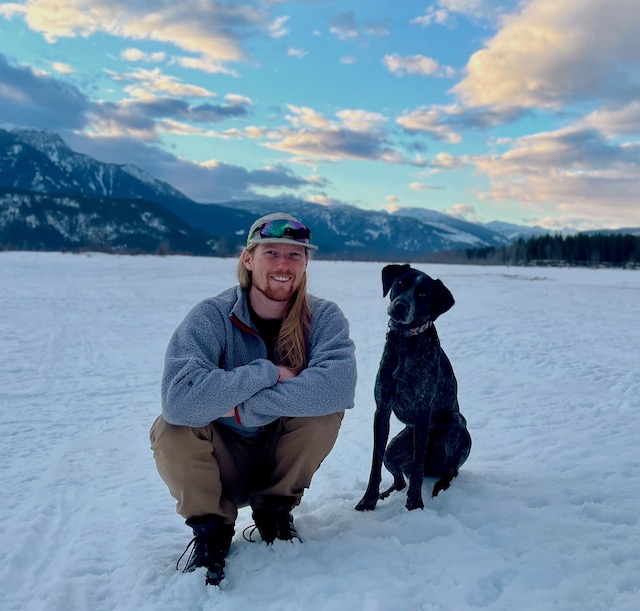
{"points": [[389, 275], [441, 299], [247, 258]]}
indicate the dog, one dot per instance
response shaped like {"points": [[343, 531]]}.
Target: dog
{"points": [[416, 382]]}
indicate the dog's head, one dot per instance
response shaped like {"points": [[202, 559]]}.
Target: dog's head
{"points": [[416, 298]]}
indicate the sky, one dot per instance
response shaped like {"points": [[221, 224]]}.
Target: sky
{"points": [[525, 112], [542, 517]]}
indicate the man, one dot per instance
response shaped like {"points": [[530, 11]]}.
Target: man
{"points": [[255, 386]]}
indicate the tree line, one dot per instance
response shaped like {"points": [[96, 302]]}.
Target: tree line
{"points": [[582, 249]]}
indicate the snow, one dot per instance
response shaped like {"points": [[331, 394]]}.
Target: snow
{"points": [[544, 514]]}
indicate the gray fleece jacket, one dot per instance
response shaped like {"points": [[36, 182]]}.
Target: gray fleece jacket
{"points": [[216, 361]]}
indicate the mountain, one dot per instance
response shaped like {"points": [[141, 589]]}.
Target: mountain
{"points": [[348, 232], [43, 221], [512, 232], [455, 230], [84, 194], [39, 162]]}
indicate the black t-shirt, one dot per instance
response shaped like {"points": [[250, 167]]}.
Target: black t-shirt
{"points": [[268, 330]]}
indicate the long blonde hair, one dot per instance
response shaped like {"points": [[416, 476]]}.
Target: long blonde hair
{"points": [[291, 344]]}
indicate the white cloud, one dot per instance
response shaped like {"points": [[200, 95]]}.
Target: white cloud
{"points": [[61, 68], [415, 64], [277, 28], [294, 52], [572, 172], [361, 120], [432, 15], [445, 161], [431, 121], [551, 53], [355, 134], [151, 82], [619, 122], [136, 55], [214, 30], [204, 65]]}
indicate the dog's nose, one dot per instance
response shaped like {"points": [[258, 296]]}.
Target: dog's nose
{"points": [[398, 310]]}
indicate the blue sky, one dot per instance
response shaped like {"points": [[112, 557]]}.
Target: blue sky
{"points": [[526, 112]]}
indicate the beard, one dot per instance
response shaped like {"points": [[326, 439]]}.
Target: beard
{"points": [[276, 291]]}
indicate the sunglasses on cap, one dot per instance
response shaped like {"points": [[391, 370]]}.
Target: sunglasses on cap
{"points": [[283, 228]]}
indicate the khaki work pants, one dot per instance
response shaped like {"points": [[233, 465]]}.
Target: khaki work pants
{"points": [[213, 470]]}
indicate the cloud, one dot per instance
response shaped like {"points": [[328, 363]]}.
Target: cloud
{"points": [[136, 55], [445, 161], [62, 68], [203, 65], [553, 53], [344, 26], [415, 64], [465, 212], [431, 121], [432, 15], [322, 199], [443, 11], [295, 52], [619, 122], [38, 100], [357, 134], [154, 81], [277, 28], [146, 117], [448, 122], [213, 30], [420, 186], [573, 172]]}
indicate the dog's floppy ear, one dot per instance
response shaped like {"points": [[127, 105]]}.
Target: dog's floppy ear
{"points": [[442, 300], [389, 275]]}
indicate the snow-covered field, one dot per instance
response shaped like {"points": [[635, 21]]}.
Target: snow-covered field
{"points": [[544, 515]]}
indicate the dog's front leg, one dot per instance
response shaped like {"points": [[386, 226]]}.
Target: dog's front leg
{"points": [[420, 440], [380, 436]]}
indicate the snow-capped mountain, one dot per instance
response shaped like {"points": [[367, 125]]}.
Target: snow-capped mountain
{"points": [[344, 231], [457, 230], [53, 198], [39, 162], [512, 231]]}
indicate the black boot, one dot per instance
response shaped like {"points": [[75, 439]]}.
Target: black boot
{"points": [[211, 543], [274, 520]]}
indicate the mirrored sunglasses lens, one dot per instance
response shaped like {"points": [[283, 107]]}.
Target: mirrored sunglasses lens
{"points": [[289, 229]]}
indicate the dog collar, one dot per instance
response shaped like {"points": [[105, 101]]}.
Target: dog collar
{"points": [[412, 332]]}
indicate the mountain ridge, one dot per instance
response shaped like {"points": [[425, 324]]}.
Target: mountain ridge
{"points": [[34, 163]]}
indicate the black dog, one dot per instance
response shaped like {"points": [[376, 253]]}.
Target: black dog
{"points": [[416, 382]]}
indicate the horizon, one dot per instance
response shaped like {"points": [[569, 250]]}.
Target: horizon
{"points": [[485, 113]]}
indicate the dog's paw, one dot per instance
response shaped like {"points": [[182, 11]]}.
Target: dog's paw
{"points": [[367, 504], [439, 486], [414, 503]]}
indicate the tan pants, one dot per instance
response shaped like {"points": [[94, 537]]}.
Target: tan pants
{"points": [[213, 470]]}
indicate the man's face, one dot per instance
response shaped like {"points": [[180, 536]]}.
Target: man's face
{"points": [[276, 270]]}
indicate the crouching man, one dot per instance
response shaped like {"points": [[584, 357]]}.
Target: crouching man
{"points": [[255, 386]]}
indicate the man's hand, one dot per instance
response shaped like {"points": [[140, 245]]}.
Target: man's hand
{"points": [[229, 414], [285, 373]]}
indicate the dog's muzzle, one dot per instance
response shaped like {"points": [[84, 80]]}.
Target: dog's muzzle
{"points": [[401, 310]]}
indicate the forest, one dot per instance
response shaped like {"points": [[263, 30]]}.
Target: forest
{"points": [[582, 249]]}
